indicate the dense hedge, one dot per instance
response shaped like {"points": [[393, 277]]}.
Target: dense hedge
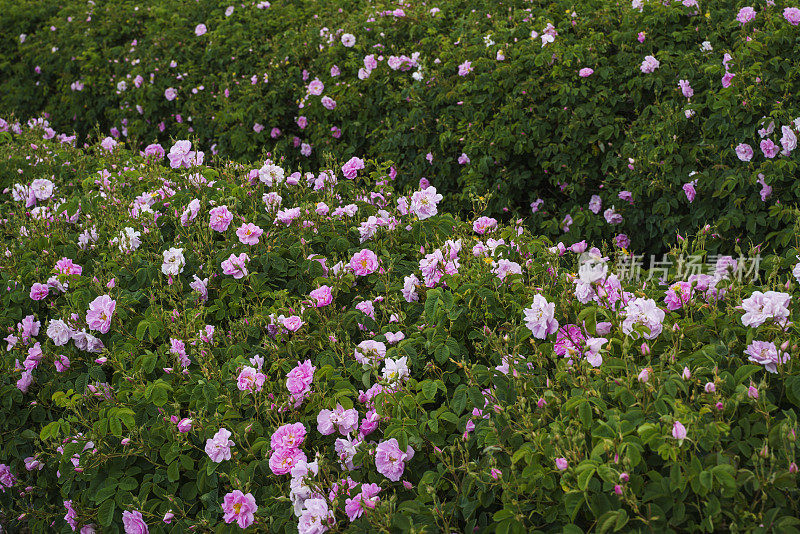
{"points": [[166, 321], [485, 99]]}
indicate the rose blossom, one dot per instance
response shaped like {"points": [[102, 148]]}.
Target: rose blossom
{"points": [[218, 448], [364, 262]]}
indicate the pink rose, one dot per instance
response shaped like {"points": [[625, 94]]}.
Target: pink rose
{"points": [[221, 218], [744, 152], [282, 460], [134, 522], [769, 148], [690, 190], [239, 507], [726, 80], [288, 436], [39, 291], [236, 265], [101, 309], [322, 296], [351, 168], [249, 233], [218, 448], [364, 262], [746, 14], [390, 460], [792, 15], [678, 430], [293, 323]]}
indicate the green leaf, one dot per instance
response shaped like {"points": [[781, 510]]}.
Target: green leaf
{"points": [[106, 512], [429, 388], [127, 484], [126, 415], [584, 477], [622, 520], [173, 471], [51, 430], [449, 417], [158, 395], [724, 475], [476, 397], [141, 329], [107, 490], [115, 425], [744, 372], [585, 413]]}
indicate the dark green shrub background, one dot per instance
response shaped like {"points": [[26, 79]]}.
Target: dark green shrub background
{"points": [[528, 124]]}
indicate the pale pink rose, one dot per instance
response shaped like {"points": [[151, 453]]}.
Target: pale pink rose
{"points": [[293, 323], [221, 218], [101, 309], [364, 262], [249, 233], [236, 265], [322, 296]]}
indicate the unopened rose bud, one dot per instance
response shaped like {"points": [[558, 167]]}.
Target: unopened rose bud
{"points": [[785, 345], [710, 387], [764, 453], [719, 406], [793, 467], [645, 349], [752, 392], [618, 489], [678, 430], [644, 375], [792, 436], [125, 441], [687, 374], [623, 477], [541, 402]]}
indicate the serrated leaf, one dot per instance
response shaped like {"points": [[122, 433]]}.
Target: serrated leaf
{"points": [[106, 512]]}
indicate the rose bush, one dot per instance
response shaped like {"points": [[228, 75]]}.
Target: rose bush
{"points": [[672, 115], [369, 363]]}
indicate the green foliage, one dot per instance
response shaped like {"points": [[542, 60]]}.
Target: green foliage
{"points": [[530, 125], [482, 395]]}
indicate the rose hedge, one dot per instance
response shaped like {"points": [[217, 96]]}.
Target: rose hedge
{"points": [[526, 121], [525, 394]]}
